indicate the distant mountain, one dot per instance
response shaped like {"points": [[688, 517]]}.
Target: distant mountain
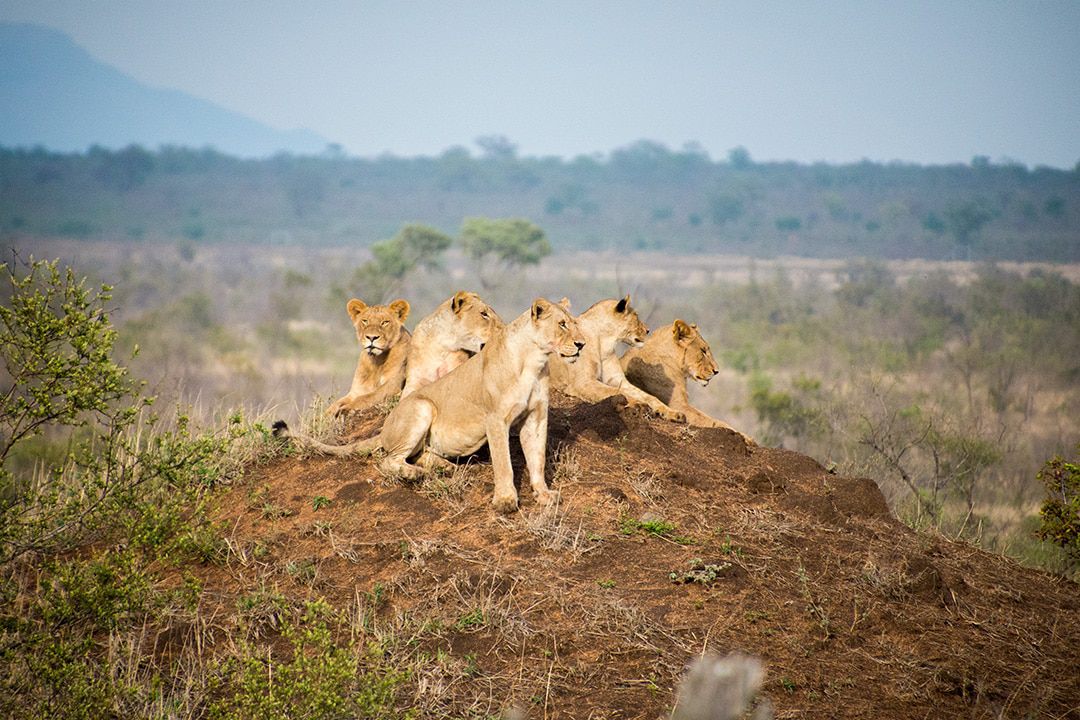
{"points": [[55, 94]]}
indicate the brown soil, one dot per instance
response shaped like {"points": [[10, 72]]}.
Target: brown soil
{"points": [[574, 614]]}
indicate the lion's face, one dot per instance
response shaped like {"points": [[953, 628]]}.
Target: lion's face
{"points": [[556, 330], [697, 358], [474, 321], [633, 331], [378, 327]]}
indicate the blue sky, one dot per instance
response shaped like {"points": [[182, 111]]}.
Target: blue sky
{"points": [[927, 82]]}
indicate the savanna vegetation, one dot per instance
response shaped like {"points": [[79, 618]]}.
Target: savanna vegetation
{"points": [[135, 400]]}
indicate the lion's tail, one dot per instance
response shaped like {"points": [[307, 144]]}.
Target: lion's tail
{"points": [[359, 447]]}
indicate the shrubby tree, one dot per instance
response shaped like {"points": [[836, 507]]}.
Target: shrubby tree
{"points": [[125, 169], [739, 158], [964, 221], [725, 207], [497, 147], [60, 380], [56, 341], [1060, 511], [414, 246], [499, 245], [79, 456]]}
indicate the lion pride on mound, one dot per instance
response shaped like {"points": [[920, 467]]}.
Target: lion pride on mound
{"points": [[467, 380]]}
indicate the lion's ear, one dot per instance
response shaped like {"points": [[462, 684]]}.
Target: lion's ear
{"points": [[458, 301], [565, 303], [400, 308], [540, 308], [620, 307], [355, 307], [681, 331]]}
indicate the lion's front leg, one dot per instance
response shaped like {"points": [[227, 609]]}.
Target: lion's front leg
{"points": [[637, 396], [533, 436], [498, 436]]}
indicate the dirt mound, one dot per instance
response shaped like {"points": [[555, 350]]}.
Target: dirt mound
{"points": [[669, 542]]}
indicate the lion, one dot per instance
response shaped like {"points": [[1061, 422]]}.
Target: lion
{"points": [[598, 374], [384, 346], [449, 336], [661, 366], [502, 388]]}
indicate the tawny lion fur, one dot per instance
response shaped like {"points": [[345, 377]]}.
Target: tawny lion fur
{"points": [[450, 335], [393, 361], [598, 374], [503, 388], [384, 345], [661, 366]]}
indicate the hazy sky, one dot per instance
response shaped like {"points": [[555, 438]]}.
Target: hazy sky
{"points": [[928, 82]]}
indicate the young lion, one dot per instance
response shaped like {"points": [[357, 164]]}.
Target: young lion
{"points": [[449, 336], [384, 345], [503, 387], [598, 374], [660, 367]]}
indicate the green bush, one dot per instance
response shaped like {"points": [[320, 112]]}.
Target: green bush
{"points": [[1061, 510], [319, 679], [48, 676]]}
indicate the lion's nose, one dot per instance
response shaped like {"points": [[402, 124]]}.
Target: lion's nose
{"points": [[580, 344], [371, 338]]}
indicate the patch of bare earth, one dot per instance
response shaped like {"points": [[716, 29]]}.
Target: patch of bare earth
{"points": [[669, 542]]}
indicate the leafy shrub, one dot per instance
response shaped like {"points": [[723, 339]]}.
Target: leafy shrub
{"points": [[105, 591], [787, 414], [57, 342], [1061, 511], [320, 679], [49, 676]]}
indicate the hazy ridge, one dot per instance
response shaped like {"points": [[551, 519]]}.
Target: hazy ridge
{"points": [[67, 100]]}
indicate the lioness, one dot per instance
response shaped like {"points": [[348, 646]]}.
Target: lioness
{"points": [[660, 367], [449, 336], [598, 374], [384, 345], [503, 387]]}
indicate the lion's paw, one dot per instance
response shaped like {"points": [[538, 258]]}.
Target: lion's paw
{"points": [[547, 497], [505, 503], [339, 408]]}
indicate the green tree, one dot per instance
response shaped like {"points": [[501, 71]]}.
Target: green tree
{"points": [[739, 158], [414, 246], [125, 169], [725, 207], [499, 245], [57, 341], [964, 221], [497, 147]]}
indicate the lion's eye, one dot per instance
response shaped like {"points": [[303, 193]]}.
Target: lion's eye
{"points": [[385, 323], [483, 314], [562, 324]]}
